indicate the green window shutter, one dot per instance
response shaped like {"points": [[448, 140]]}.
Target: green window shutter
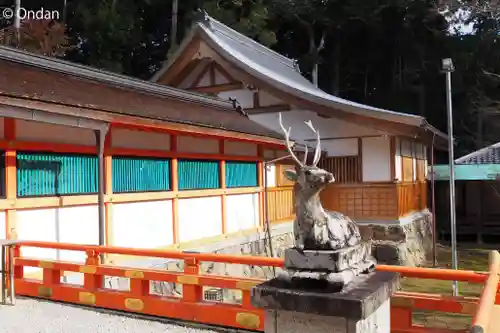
{"points": [[241, 174], [48, 174], [138, 174], [196, 174]]}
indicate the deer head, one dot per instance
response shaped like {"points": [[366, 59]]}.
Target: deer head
{"points": [[310, 178]]}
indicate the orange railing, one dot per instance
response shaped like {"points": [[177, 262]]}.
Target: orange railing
{"points": [[403, 304], [190, 306], [192, 303]]}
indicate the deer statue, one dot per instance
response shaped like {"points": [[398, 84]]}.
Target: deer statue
{"points": [[314, 228]]}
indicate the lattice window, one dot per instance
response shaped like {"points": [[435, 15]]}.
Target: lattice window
{"points": [[48, 174], [139, 174], [345, 169], [241, 174], [198, 174]]}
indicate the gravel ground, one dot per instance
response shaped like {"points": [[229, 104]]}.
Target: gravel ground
{"points": [[32, 316]]}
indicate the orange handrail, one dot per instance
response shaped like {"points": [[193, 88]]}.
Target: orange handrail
{"points": [[436, 273], [212, 257], [481, 320], [417, 272]]}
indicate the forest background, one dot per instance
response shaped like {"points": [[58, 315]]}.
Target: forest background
{"points": [[384, 53]]}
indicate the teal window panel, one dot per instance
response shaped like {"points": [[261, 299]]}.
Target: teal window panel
{"points": [[198, 174], [51, 174], [241, 174], [138, 174]]}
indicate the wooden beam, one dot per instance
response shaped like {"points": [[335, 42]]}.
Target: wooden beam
{"points": [[200, 76], [268, 109], [184, 73], [224, 73], [256, 100], [181, 62], [219, 88], [212, 73]]}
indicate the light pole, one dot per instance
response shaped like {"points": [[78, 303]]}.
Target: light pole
{"points": [[448, 69]]}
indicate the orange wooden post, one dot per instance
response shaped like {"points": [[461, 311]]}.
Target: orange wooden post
{"points": [[18, 270], [139, 287], [401, 319], [175, 188], [260, 177], [10, 177], [222, 175], [92, 281], [191, 291]]}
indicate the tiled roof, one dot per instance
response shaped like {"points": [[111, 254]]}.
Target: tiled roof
{"points": [[488, 155], [282, 73], [51, 80]]}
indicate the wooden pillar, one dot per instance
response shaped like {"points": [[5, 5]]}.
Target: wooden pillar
{"points": [[108, 186], [174, 177], [393, 158], [222, 173], [10, 178], [260, 179], [360, 156]]}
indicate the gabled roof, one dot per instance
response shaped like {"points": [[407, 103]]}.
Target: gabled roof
{"points": [[282, 73], [33, 77], [487, 155]]}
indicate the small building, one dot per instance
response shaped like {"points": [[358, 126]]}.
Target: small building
{"points": [[378, 157], [91, 157], [477, 196]]}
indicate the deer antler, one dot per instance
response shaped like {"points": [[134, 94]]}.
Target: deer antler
{"points": [[304, 160], [317, 151], [287, 139]]}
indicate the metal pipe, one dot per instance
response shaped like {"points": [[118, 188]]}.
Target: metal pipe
{"points": [[451, 162], [433, 200]]}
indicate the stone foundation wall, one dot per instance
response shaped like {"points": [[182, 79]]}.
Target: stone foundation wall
{"points": [[407, 243]]}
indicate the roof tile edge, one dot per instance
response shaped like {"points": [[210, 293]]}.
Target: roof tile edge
{"points": [[66, 67]]}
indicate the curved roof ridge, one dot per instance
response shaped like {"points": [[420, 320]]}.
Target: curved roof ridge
{"points": [[239, 37]]}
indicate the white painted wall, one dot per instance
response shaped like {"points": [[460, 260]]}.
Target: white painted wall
{"points": [[270, 170], [77, 225], [376, 159], [340, 147], [189, 79], [328, 128], [144, 225], [43, 132], [219, 78], [199, 218], [266, 99], [242, 212], [124, 138]]}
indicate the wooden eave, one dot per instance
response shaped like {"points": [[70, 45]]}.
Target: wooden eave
{"points": [[132, 121]]}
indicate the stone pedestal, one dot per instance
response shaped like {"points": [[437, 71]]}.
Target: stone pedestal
{"points": [[331, 269], [363, 306]]}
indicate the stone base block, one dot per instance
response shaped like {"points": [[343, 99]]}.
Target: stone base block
{"points": [[292, 322], [333, 261], [363, 306]]}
